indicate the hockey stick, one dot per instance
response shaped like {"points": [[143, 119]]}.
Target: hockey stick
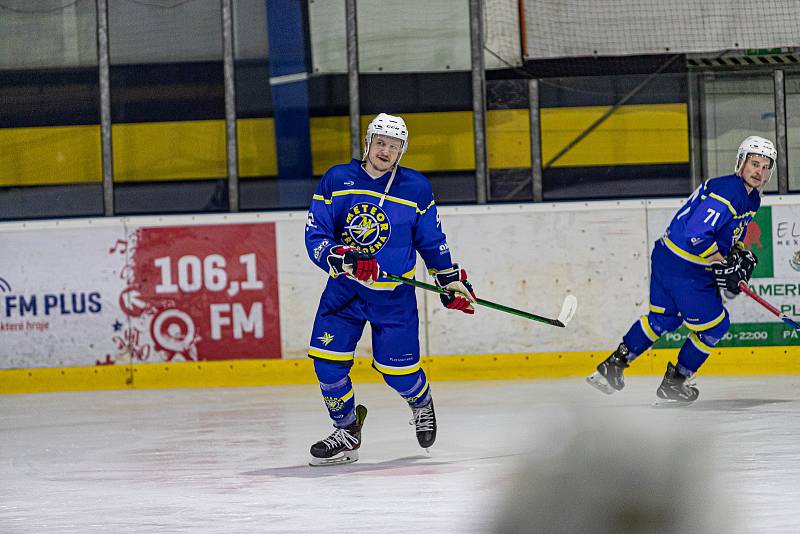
{"points": [[777, 313], [567, 308]]}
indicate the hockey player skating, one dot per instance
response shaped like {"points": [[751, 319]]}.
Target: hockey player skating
{"points": [[701, 254], [366, 218]]}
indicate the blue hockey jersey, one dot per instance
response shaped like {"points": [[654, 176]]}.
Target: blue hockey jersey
{"points": [[713, 219], [346, 210]]}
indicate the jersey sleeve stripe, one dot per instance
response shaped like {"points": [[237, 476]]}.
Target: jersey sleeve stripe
{"points": [[426, 209], [724, 201], [320, 197]]}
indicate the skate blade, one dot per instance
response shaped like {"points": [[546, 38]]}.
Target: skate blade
{"points": [[599, 382], [347, 457]]}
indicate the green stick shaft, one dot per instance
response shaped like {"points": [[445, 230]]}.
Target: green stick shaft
{"points": [[482, 302]]}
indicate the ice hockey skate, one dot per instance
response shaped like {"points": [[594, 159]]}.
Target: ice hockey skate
{"points": [[424, 419], [676, 389], [341, 447], [608, 377]]}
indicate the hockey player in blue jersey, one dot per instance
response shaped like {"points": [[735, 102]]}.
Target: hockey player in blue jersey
{"points": [[700, 255], [368, 218]]}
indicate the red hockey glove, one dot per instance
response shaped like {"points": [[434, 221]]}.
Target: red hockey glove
{"points": [[461, 295], [350, 261]]}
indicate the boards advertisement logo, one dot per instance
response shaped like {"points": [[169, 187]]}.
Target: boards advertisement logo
{"points": [[198, 293], [33, 311], [795, 261]]}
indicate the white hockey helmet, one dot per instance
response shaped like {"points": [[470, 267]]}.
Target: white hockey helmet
{"points": [[760, 147], [388, 125]]}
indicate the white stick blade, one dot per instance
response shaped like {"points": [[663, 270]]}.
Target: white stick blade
{"points": [[568, 309]]}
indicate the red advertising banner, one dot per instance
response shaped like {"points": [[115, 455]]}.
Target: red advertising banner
{"points": [[206, 292]]}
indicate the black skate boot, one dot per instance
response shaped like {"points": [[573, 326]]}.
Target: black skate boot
{"points": [[608, 377], [341, 447], [424, 419], [677, 389]]}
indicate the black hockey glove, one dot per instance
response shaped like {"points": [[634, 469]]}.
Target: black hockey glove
{"points": [[728, 274], [460, 294], [745, 259], [350, 261]]}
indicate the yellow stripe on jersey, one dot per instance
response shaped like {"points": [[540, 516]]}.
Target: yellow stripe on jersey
{"points": [[383, 286], [396, 371], [657, 309], [374, 194], [426, 209], [683, 254], [702, 347], [724, 201], [648, 330], [330, 354], [323, 199], [709, 251], [380, 286], [705, 326]]}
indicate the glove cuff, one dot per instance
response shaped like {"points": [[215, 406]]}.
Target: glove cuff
{"points": [[446, 276]]}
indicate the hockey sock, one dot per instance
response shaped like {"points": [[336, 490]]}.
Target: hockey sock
{"points": [[337, 391], [413, 388], [698, 346], [694, 352], [639, 338]]}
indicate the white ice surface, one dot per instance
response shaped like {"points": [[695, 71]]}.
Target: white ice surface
{"points": [[234, 460]]}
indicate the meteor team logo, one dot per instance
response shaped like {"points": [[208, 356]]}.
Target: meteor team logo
{"points": [[366, 228]]}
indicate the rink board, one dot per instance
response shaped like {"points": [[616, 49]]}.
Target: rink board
{"points": [[238, 373], [226, 300]]}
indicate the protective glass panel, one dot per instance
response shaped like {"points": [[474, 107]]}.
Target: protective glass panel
{"points": [[561, 28], [735, 106], [164, 31], [167, 106], [413, 35], [793, 130], [50, 158], [614, 136], [47, 34], [508, 141]]}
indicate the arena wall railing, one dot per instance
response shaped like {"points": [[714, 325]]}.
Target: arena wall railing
{"points": [[228, 300]]}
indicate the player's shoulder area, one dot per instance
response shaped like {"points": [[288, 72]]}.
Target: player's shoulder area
{"points": [[729, 188], [341, 170], [414, 181], [412, 174]]}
